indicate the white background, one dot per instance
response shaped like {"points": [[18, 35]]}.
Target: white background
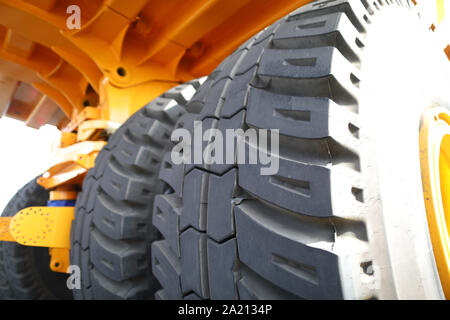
{"points": [[24, 153]]}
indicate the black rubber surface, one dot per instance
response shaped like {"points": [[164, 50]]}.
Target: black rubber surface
{"points": [[25, 271], [112, 230], [231, 233]]}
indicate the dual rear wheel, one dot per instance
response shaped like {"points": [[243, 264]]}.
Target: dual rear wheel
{"points": [[347, 84]]}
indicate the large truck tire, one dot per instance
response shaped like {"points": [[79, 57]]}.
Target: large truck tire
{"points": [[25, 272], [112, 230], [345, 83]]}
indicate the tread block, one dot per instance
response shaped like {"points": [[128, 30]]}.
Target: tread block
{"points": [[253, 287], [169, 172], [294, 255], [236, 98], [227, 66], [115, 182], [148, 159], [126, 152], [198, 132], [195, 200], [113, 140], [85, 224], [236, 122], [151, 129], [297, 186], [300, 117], [122, 186], [214, 98], [174, 112], [314, 72], [300, 63], [86, 267], [194, 275], [267, 32], [354, 10], [89, 203], [100, 162], [181, 93], [333, 30], [164, 109], [253, 56], [204, 89], [75, 251], [166, 217], [197, 83], [172, 174], [119, 223], [220, 222], [186, 122], [127, 290], [304, 117], [221, 260], [167, 269], [117, 260]]}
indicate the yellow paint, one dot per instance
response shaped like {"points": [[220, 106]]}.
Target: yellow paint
{"points": [[434, 158], [88, 113], [71, 164], [5, 235], [118, 104], [89, 130], [440, 10], [59, 259], [444, 170], [137, 49], [63, 193], [43, 226], [67, 139]]}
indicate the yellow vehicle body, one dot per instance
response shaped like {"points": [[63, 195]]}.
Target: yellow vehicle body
{"points": [[89, 79], [122, 55]]}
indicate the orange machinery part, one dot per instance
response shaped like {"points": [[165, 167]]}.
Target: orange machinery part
{"points": [[126, 52]]}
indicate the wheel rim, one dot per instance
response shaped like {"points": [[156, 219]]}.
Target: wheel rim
{"points": [[435, 166]]}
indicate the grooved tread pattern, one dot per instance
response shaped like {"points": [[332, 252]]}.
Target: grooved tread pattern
{"points": [[230, 232], [112, 230]]}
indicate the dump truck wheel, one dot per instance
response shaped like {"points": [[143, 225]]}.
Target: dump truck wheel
{"points": [[112, 230], [25, 272], [345, 83]]}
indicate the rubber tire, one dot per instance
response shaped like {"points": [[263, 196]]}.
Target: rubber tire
{"points": [[112, 230], [332, 223], [25, 271]]}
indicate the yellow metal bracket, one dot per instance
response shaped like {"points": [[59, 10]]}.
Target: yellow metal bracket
{"points": [[59, 259], [5, 235], [88, 113], [90, 130], [71, 163], [42, 227]]}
